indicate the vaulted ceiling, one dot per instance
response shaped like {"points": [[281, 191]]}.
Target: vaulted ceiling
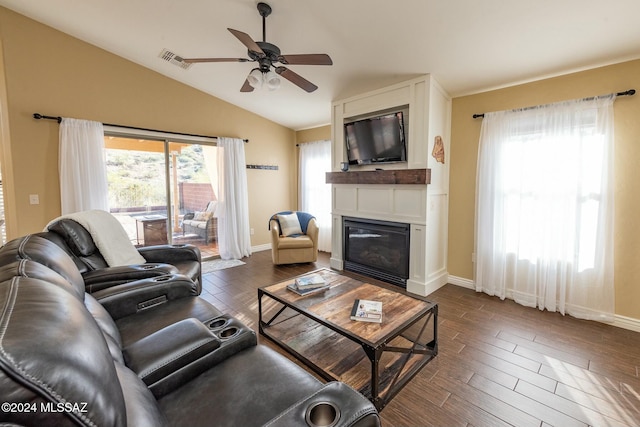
{"points": [[468, 46]]}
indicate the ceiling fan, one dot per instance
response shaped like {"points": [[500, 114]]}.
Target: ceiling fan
{"points": [[266, 55]]}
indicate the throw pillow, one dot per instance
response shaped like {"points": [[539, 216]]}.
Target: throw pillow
{"points": [[202, 216], [289, 224], [213, 208]]}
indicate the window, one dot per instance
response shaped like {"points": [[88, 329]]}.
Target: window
{"points": [[544, 227], [315, 193], [551, 183]]}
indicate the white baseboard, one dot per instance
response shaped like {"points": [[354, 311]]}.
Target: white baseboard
{"points": [[260, 248], [336, 263], [432, 285], [619, 321], [627, 323], [462, 282]]}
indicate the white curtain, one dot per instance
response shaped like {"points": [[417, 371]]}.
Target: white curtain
{"points": [[315, 193], [234, 239], [82, 166], [210, 155], [544, 214]]}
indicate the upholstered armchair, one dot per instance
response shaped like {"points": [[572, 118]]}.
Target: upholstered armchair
{"points": [[294, 238]]}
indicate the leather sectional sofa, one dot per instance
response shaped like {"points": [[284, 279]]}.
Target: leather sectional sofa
{"points": [[145, 352]]}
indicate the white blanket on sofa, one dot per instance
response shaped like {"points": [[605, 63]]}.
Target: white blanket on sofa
{"points": [[109, 236]]}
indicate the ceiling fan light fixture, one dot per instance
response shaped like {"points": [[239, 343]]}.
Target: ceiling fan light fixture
{"points": [[272, 80], [267, 55], [255, 78]]}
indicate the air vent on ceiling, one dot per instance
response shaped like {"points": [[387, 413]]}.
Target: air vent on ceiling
{"points": [[174, 59]]}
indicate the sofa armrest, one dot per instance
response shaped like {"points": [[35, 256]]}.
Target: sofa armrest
{"points": [[96, 280], [335, 401], [131, 297], [170, 253], [175, 354], [274, 227], [312, 232]]}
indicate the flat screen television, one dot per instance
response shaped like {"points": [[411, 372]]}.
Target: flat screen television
{"points": [[378, 139]]}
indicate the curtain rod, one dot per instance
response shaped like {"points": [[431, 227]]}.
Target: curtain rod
{"points": [[625, 93], [39, 116]]}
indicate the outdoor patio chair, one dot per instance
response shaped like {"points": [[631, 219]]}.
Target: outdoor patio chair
{"points": [[204, 224]]}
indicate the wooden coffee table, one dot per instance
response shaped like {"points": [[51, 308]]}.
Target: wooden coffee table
{"points": [[378, 359]]}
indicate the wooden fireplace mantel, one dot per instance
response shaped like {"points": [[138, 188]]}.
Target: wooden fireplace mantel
{"points": [[392, 176]]}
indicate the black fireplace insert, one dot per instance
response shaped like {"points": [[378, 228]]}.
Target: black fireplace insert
{"points": [[378, 249]]}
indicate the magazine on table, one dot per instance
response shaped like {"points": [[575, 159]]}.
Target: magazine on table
{"points": [[311, 281], [367, 311], [309, 291]]}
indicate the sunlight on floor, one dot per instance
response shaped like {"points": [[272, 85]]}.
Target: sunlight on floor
{"points": [[601, 401]]}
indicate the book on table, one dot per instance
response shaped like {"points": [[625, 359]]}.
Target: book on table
{"points": [[309, 282], [306, 291], [367, 311]]}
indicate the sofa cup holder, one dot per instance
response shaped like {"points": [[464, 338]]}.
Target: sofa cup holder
{"points": [[149, 267], [322, 414], [225, 327], [161, 278], [218, 323], [229, 332]]}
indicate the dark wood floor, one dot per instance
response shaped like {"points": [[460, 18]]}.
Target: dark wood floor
{"points": [[499, 363]]}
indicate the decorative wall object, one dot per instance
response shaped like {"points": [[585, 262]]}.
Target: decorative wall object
{"points": [[438, 150], [267, 167]]}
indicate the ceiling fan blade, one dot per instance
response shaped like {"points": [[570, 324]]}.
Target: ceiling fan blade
{"points": [[246, 87], [246, 40], [296, 79], [195, 60], [306, 59]]}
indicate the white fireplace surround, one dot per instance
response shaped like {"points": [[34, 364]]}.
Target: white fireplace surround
{"points": [[424, 207]]}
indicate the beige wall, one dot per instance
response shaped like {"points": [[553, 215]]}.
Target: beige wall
{"points": [[465, 134], [49, 72], [313, 134]]}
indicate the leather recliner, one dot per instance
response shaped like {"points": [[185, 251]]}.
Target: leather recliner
{"points": [[147, 352], [161, 259]]}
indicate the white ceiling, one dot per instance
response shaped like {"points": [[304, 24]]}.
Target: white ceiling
{"points": [[469, 46]]}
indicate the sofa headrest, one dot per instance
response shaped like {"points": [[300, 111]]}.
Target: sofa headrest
{"points": [[45, 252], [76, 236], [80, 243], [29, 268], [53, 353], [59, 240]]}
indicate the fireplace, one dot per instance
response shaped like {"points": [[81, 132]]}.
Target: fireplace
{"points": [[378, 249]]}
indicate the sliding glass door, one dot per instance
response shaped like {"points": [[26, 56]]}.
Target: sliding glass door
{"points": [[163, 191], [137, 188], [193, 194]]}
